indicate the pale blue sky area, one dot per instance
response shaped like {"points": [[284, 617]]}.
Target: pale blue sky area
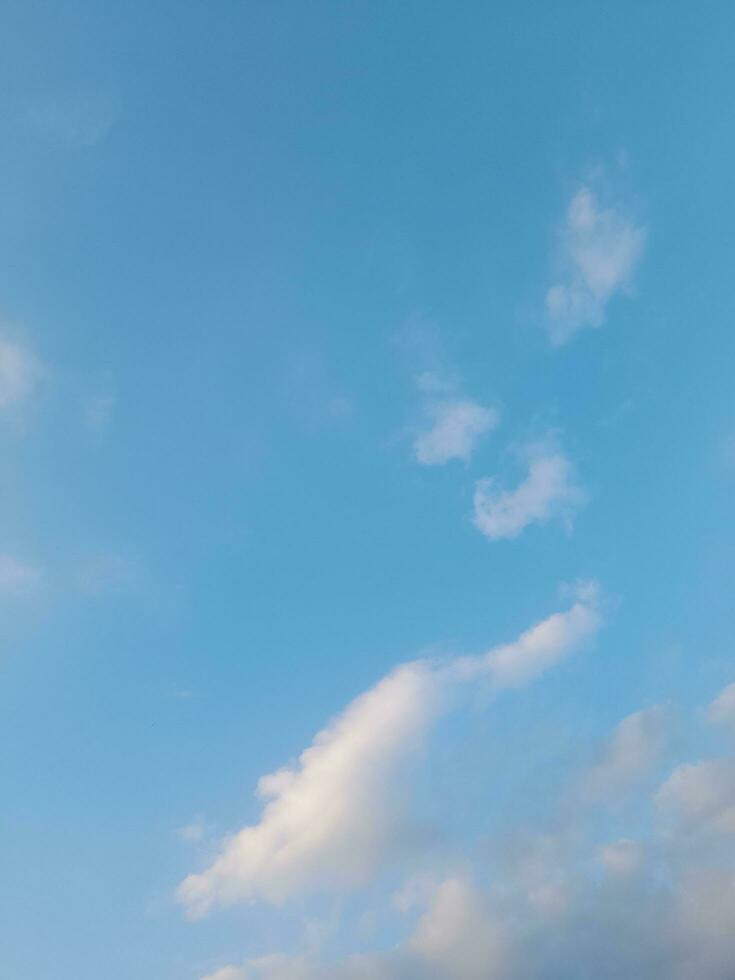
{"points": [[335, 335]]}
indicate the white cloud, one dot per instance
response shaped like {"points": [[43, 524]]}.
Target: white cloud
{"points": [[339, 816], [452, 423], [701, 795], [19, 373], [331, 819], [628, 755], [538, 648], [457, 426], [16, 577], [612, 928], [548, 491], [599, 250], [456, 938], [722, 709], [662, 910]]}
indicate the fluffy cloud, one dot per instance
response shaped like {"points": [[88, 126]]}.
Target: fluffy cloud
{"points": [[339, 816], [722, 709], [662, 909], [628, 755], [457, 425], [621, 926], [599, 250], [19, 373], [457, 938], [331, 819], [548, 491]]}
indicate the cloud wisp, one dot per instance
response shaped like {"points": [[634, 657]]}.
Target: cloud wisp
{"points": [[341, 814], [20, 372], [599, 250], [17, 577], [452, 424], [548, 491]]}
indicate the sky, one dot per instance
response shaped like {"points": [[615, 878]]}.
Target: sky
{"points": [[367, 443]]}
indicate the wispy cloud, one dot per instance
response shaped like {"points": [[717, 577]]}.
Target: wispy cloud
{"points": [[452, 424], [17, 577], [109, 574], [599, 249], [75, 119], [457, 425], [98, 410], [340, 815], [548, 491], [193, 832], [20, 371]]}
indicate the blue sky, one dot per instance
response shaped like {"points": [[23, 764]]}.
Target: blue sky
{"points": [[366, 369]]}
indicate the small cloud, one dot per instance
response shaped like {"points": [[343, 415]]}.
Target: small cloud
{"points": [[599, 249], [16, 577], [453, 423], [457, 426], [20, 372], [192, 833], [548, 491]]}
